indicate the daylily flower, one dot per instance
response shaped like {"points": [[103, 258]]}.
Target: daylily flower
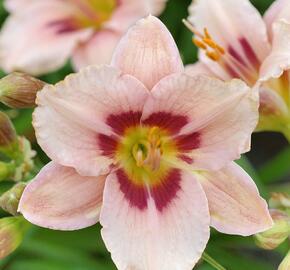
{"points": [[148, 151], [40, 36], [236, 42]]}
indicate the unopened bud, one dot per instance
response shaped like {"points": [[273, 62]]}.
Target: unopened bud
{"points": [[285, 264], [18, 90], [12, 230], [273, 237], [280, 200], [8, 137], [10, 199]]}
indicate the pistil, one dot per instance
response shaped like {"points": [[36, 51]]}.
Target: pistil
{"points": [[148, 152]]}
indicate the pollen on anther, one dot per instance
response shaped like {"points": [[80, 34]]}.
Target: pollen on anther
{"points": [[199, 43], [213, 55], [205, 41]]}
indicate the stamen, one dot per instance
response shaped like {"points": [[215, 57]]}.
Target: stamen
{"points": [[205, 42], [154, 137], [199, 43], [191, 28], [156, 158], [213, 55], [206, 33]]}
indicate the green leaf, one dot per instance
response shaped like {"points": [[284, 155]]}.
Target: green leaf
{"points": [[277, 168]]}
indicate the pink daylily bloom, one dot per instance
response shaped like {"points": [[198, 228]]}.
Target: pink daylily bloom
{"points": [[148, 151], [40, 36], [236, 42]]}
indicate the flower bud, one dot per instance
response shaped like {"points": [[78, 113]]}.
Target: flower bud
{"points": [[12, 230], [8, 137], [285, 264], [18, 90], [273, 237], [10, 199]]}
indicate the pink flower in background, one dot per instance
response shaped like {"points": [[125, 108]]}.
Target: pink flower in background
{"points": [[148, 151], [236, 42], [40, 36]]}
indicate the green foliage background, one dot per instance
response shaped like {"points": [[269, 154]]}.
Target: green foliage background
{"points": [[268, 163]]}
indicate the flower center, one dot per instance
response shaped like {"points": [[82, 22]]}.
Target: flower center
{"points": [[148, 152], [143, 152], [93, 13]]}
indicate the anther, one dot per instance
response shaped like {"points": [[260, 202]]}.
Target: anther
{"points": [[206, 33], [205, 41], [213, 55], [199, 43]]}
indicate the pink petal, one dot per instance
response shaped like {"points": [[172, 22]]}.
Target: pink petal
{"points": [[74, 115], [198, 68], [278, 10], [129, 11], [148, 52], [234, 202], [151, 238], [18, 5], [279, 59], [98, 50], [39, 38], [226, 21], [59, 198], [220, 116]]}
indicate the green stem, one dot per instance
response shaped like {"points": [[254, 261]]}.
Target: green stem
{"points": [[212, 262]]}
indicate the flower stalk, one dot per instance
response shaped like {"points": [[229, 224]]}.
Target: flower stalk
{"points": [[212, 262]]}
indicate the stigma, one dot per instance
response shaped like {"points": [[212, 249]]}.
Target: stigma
{"points": [[148, 152]]}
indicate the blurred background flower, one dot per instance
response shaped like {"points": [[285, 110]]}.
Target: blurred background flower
{"points": [[40, 36]]}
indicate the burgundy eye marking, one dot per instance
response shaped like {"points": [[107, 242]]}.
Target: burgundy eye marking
{"points": [[136, 195], [186, 143], [162, 193], [249, 52], [107, 144], [168, 121], [120, 122]]}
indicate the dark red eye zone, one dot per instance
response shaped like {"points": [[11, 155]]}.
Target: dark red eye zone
{"points": [[107, 144], [120, 122], [168, 121], [188, 142], [162, 193]]}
